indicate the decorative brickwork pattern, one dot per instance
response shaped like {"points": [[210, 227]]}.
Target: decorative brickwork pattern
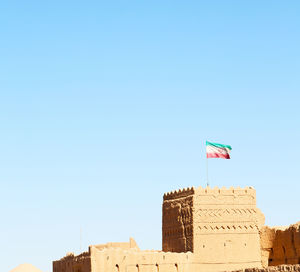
{"points": [[219, 225]]}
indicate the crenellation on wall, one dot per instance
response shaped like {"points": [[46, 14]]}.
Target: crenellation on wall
{"points": [[225, 196], [179, 193], [225, 191]]}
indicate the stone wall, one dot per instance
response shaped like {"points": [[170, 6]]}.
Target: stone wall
{"points": [[280, 245]]}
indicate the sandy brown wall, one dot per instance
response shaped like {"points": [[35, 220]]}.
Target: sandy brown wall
{"points": [[118, 260], [280, 246], [177, 221], [71, 263], [226, 227], [280, 268]]}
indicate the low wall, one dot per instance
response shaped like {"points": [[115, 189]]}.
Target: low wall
{"points": [[119, 260]]}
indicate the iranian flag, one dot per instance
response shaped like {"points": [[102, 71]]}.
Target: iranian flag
{"points": [[214, 150]]}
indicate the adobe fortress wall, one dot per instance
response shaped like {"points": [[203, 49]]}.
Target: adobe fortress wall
{"points": [[132, 260], [219, 225], [126, 257], [203, 229], [280, 245], [177, 221], [72, 263]]}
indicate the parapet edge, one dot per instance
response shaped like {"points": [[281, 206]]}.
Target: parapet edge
{"points": [[179, 193], [248, 190]]}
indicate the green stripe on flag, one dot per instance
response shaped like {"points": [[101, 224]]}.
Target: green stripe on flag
{"points": [[218, 145]]}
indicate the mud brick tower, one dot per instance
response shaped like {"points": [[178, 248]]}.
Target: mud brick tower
{"points": [[220, 225]]}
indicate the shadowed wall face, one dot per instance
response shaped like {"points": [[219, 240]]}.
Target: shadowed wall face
{"points": [[177, 226], [280, 246], [71, 263]]}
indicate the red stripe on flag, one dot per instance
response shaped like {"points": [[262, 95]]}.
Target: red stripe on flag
{"points": [[216, 155]]}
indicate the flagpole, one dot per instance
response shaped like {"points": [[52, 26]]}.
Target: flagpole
{"points": [[207, 183]]}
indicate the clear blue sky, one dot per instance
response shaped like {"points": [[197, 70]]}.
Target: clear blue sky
{"points": [[104, 106]]}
